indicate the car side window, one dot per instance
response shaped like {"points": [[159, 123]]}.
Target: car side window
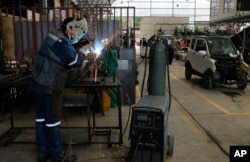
{"points": [[193, 43], [200, 45], [143, 42]]}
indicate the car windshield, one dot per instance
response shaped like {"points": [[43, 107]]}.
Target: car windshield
{"points": [[220, 46]]}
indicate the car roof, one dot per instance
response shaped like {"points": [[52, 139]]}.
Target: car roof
{"points": [[209, 36]]}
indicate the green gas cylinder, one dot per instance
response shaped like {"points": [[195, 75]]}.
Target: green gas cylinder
{"points": [[112, 65], [157, 69]]}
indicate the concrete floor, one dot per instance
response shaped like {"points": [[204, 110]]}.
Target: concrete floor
{"points": [[205, 123]]}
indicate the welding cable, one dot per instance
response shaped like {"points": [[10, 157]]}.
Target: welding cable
{"points": [[129, 112], [145, 69], [123, 92], [136, 147], [69, 149], [168, 84]]}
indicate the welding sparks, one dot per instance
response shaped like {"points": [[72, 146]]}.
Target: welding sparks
{"points": [[98, 46]]}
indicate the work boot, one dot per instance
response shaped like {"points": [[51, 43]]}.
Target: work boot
{"points": [[43, 158], [65, 158]]}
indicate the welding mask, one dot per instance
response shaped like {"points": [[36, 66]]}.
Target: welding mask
{"points": [[74, 29]]}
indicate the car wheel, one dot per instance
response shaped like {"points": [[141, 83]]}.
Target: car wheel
{"points": [[207, 81], [188, 72], [242, 81]]}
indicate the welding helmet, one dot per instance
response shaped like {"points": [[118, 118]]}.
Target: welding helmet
{"points": [[74, 29]]}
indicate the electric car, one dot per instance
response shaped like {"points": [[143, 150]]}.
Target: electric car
{"points": [[215, 59]]}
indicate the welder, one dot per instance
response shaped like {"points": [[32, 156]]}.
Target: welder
{"points": [[49, 75]]}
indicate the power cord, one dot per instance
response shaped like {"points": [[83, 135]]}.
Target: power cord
{"points": [[129, 113], [136, 143], [124, 93], [145, 70]]}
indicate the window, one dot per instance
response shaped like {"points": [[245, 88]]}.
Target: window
{"points": [[220, 46], [169, 8], [229, 6], [200, 45], [193, 43], [243, 5], [214, 10]]}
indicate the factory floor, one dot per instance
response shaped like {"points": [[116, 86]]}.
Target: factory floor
{"points": [[204, 123]]}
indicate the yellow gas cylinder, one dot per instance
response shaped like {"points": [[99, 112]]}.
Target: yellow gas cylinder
{"points": [[106, 101]]}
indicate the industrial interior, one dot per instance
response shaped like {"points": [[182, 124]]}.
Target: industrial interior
{"points": [[137, 102]]}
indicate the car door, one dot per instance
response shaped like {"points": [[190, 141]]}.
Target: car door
{"points": [[200, 52]]}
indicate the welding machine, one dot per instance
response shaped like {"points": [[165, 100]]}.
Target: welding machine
{"points": [[148, 135]]}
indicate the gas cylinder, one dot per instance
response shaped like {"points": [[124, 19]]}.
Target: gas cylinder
{"points": [[157, 69]]}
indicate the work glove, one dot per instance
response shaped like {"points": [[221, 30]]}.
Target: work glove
{"points": [[90, 57], [87, 49]]}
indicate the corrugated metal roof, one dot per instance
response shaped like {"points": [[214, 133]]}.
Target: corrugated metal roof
{"points": [[81, 3], [95, 3]]}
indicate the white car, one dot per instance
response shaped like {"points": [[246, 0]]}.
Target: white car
{"points": [[215, 59]]}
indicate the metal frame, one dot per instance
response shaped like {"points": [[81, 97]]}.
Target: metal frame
{"points": [[30, 25]]}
